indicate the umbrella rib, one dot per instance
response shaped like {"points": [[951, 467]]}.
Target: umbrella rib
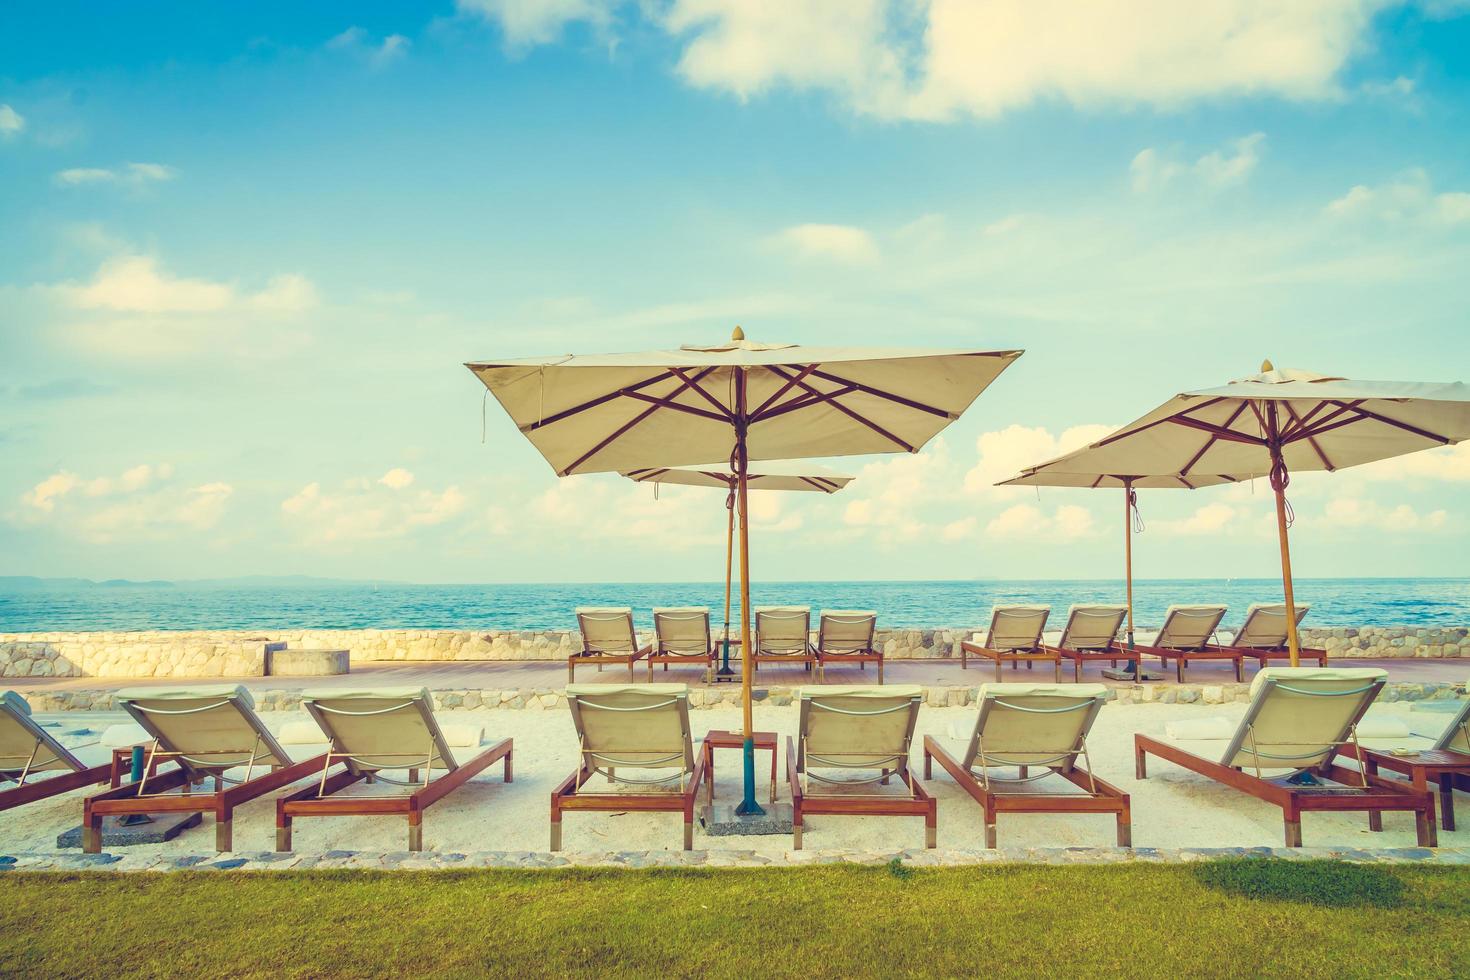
{"points": [[1212, 440], [1230, 435], [1321, 424], [890, 396], [620, 430], [1302, 434], [1187, 484], [720, 406], [800, 402], [814, 484], [1108, 440], [1302, 421], [790, 382], [1442, 440], [832, 400], [599, 400], [668, 402]]}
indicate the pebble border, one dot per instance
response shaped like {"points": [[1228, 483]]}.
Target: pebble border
{"points": [[914, 857]]}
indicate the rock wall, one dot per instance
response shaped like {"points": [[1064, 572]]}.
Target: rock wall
{"points": [[241, 653]]}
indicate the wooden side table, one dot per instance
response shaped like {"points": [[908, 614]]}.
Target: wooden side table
{"points": [[1423, 767], [721, 739]]}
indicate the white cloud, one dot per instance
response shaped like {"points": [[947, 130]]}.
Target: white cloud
{"points": [[396, 479], [1152, 169], [1067, 523], [957, 57], [11, 122], [134, 175], [892, 495], [43, 496], [1211, 518], [840, 243], [142, 502], [1409, 198], [530, 22], [1353, 512], [288, 293], [1450, 464], [361, 511], [377, 54], [135, 284], [1005, 452]]}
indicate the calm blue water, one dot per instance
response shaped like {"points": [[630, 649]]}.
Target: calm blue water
{"points": [[1335, 602]]}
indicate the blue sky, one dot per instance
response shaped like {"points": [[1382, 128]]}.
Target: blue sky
{"points": [[245, 249]]}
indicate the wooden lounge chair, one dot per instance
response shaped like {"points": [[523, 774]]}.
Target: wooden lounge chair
{"points": [[206, 732], [27, 751], [632, 726], [1091, 634], [1441, 761], [870, 729], [1014, 638], [1298, 720], [1262, 637], [1188, 634], [783, 634], [681, 635], [845, 636], [608, 637], [1032, 726], [376, 731]]}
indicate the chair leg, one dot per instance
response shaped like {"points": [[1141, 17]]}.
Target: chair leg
{"points": [[1125, 830], [283, 834], [223, 835], [880, 671], [1294, 832], [1179, 669], [990, 835], [571, 671], [1447, 801], [997, 668], [1424, 827], [415, 831], [689, 835], [1375, 820], [92, 834]]}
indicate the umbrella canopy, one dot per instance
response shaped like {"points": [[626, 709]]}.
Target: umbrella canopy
{"points": [[1243, 429], [606, 412], [731, 403], [782, 474], [1267, 425]]}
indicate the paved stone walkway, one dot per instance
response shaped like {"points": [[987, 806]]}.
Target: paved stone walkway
{"points": [[938, 857]]}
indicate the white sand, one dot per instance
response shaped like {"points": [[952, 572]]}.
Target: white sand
{"points": [[1172, 808]]}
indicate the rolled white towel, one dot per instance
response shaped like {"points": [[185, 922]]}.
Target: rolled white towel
{"points": [[1199, 729], [121, 736], [300, 733]]}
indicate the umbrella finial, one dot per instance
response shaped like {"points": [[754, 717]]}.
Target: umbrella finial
{"points": [[738, 334], [1267, 367]]}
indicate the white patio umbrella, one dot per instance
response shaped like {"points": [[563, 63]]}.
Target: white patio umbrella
{"points": [[732, 403], [1043, 476], [1270, 425], [788, 474]]}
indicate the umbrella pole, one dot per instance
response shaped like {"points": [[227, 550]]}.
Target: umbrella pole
{"points": [[725, 670], [1128, 499], [1279, 480], [748, 806]]}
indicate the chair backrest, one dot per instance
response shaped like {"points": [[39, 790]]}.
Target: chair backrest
{"points": [[861, 727], [1189, 627], [607, 630], [1016, 627], [210, 728], [26, 747], [1298, 716], [381, 728], [633, 726], [682, 630], [846, 630], [783, 629], [1265, 626], [1092, 627], [1456, 737], [1033, 724]]}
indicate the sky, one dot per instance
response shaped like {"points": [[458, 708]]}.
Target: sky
{"points": [[245, 250]]}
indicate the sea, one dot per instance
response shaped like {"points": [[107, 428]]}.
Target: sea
{"points": [[169, 606]]}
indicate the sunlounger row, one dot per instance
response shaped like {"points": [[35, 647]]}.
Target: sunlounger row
{"points": [[852, 743], [1017, 634]]}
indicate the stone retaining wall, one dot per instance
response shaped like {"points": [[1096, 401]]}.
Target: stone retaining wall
{"points": [[544, 698], [241, 653]]}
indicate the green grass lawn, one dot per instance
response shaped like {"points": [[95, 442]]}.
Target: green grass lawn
{"points": [[1222, 918]]}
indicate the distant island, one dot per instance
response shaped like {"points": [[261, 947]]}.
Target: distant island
{"points": [[11, 584]]}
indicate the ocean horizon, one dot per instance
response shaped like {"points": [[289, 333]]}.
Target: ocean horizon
{"points": [[1352, 602]]}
